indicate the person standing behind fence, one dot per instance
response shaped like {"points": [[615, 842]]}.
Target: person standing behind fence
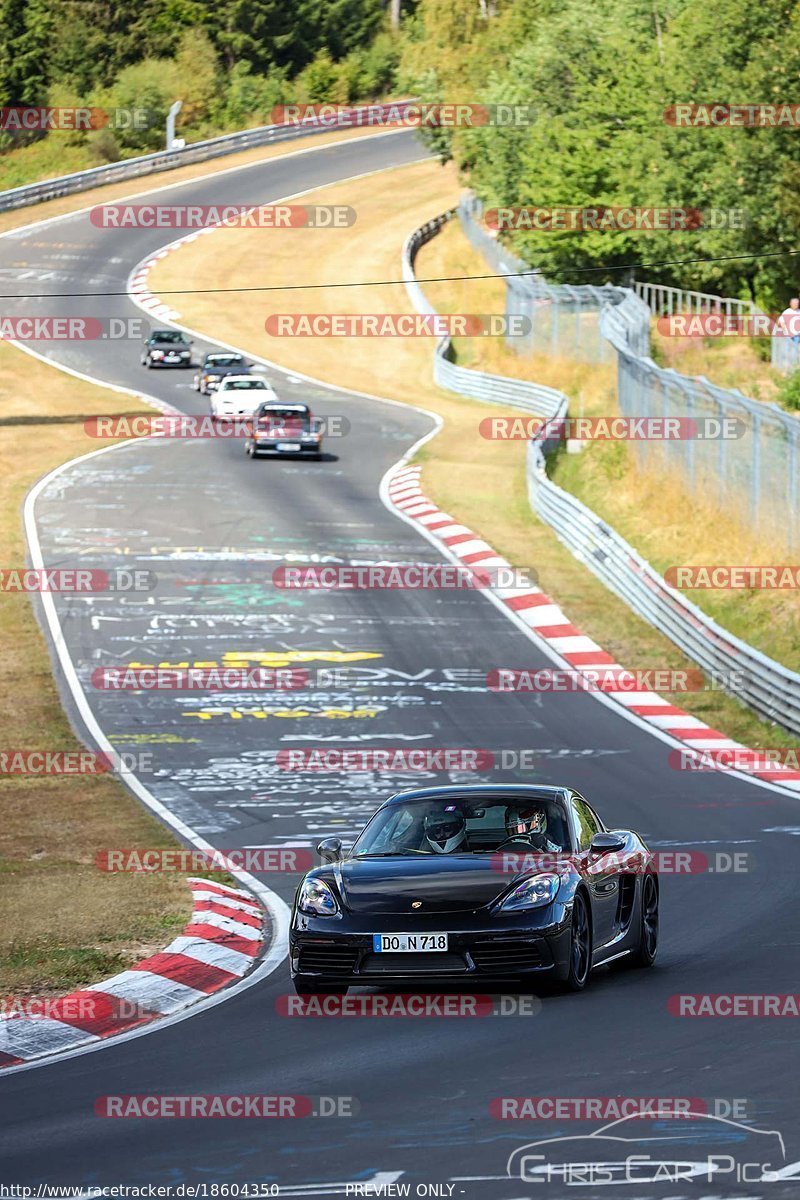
{"points": [[788, 323]]}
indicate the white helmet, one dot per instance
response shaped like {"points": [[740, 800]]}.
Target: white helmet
{"points": [[445, 831]]}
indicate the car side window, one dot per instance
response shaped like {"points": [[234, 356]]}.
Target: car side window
{"points": [[588, 824]]}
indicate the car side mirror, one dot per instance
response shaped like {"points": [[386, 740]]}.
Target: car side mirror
{"points": [[330, 849], [606, 843]]}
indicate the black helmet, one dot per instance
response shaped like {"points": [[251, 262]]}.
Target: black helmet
{"points": [[522, 822]]}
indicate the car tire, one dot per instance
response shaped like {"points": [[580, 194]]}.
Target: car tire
{"points": [[252, 452], [580, 946], [307, 987], [148, 362], [647, 950]]}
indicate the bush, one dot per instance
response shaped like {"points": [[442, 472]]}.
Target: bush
{"points": [[249, 99], [789, 391], [317, 82]]}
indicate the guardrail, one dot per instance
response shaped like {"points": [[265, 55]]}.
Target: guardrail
{"points": [[755, 471], [491, 389], [764, 685], [169, 160], [665, 300], [662, 298]]}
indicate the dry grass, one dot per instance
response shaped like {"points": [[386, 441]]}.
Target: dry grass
{"points": [[65, 923], [482, 483], [731, 362]]}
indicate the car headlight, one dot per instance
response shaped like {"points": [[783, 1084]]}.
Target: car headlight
{"points": [[156, 353], [531, 893], [317, 898]]}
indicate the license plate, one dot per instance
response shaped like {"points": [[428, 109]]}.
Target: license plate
{"points": [[290, 446], [408, 943], [172, 358]]}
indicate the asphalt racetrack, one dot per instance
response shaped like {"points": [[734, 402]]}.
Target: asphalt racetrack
{"points": [[404, 668]]}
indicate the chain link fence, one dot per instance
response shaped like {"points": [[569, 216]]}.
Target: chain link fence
{"points": [[564, 320], [749, 465], [764, 685]]}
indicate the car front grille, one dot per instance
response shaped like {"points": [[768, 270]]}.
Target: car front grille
{"points": [[327, 960], [506, 958], [413, 964]]}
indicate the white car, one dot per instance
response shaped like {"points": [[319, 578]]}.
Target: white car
{"points": [[239, 396]]}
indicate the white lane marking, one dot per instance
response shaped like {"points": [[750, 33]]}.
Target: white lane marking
{"points": [[277, 909], [395, 472]]}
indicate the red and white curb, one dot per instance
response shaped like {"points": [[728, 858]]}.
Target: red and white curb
{"points": [[220, 945], [138, 285], [547, 622]]}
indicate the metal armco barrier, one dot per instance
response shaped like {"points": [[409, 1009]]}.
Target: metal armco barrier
{"points": [[756, 472], [765, 686], [168, 160]]}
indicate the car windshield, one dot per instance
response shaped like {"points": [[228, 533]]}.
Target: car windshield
{"points": [[246, 384], [285, 418], [460, 826], [170, 336], [224, 360]]}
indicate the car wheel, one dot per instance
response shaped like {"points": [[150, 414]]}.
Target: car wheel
{"points": [[251, 451], [580, 946], [148, 362], [645, 953], [308, 987]]}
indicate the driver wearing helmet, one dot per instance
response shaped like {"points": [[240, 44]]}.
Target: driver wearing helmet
{"points": [[446, 832], [529, 826]]}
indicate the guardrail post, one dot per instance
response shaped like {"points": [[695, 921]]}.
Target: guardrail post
{"points": [[792, 468], [755, 477], [175, 108]]}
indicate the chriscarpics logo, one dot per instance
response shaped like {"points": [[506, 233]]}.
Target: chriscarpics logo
{"points": [[680, 1149]]}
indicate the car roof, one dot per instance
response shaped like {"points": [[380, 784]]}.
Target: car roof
{"points": [[249, 378], [483, 790], [288, 405], [224, 354]]}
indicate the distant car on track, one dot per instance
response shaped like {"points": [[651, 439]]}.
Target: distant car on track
{"points": [[167, 348], [215, 366], [239, 396], [483, 883], [285, 429]]}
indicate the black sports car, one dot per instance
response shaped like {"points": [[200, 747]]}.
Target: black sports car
{"points": [[167, 348], [484, 883]]}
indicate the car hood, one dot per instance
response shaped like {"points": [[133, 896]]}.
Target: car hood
{"points": [[215, 370], [387, 885], [170, 346]]}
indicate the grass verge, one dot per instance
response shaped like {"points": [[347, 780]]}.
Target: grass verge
{"points": [[66, 923], [481, 482]]}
